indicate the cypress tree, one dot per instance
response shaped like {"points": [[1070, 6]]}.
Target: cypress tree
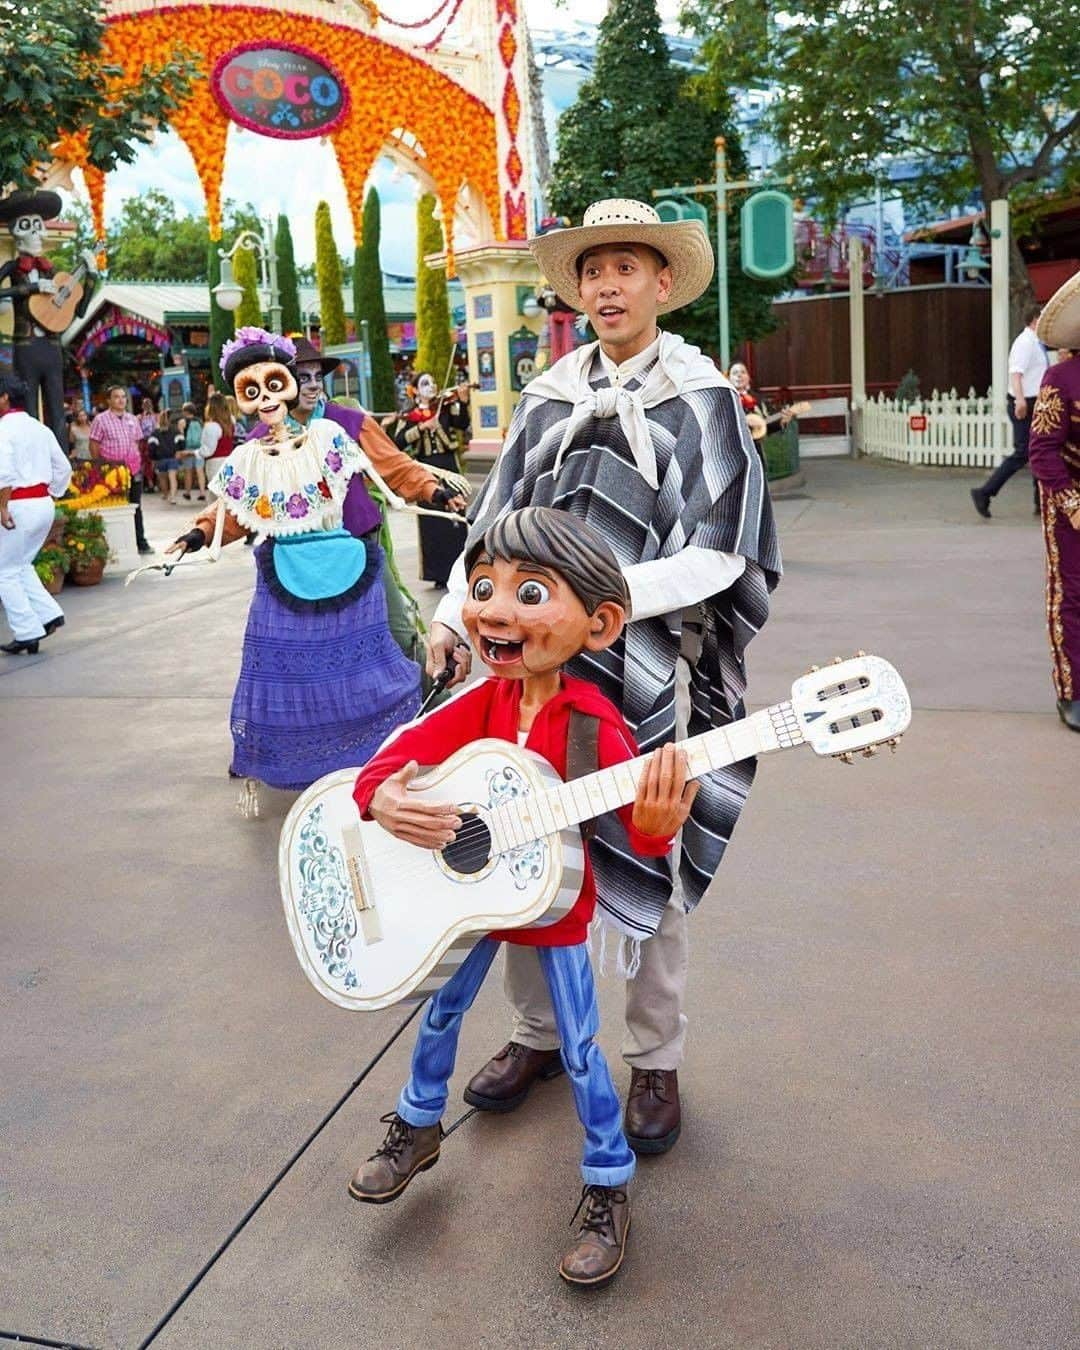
{"points": [[368, 304], [222, 325], [328, 277], [288, 287], [246, 274], [434, 342], [641, 124]]}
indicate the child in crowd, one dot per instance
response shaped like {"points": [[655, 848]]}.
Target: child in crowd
{"points": [[191, 455], [542, 588]]}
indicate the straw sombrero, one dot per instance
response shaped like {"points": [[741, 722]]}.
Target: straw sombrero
{"points": [[619, 220], [1059, 323]]}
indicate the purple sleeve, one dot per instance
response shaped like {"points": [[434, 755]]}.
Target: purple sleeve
{"points": [[359, 514], [351, 420]]}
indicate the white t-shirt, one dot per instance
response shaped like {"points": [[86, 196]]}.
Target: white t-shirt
{"points": [[1028, 359], [208, 441]]}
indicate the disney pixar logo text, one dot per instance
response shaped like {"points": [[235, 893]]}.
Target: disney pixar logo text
{"points": [[282, 91]]}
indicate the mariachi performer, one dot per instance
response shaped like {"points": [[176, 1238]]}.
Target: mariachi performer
{"points": [[420, 433], [322, 682], [37, 355], [1054, 455], [412, 480]]}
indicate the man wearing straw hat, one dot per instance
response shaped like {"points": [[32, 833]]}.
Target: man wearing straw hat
{"points": [[641, 436], [1055, 461]]}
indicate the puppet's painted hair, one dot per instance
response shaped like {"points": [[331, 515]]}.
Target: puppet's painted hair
{"points": [[556, 539]]}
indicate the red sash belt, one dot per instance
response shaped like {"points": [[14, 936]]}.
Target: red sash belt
{"points": [[35, 490]]}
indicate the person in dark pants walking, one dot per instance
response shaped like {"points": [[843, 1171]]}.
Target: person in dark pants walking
{"points": [[1027, 365]]}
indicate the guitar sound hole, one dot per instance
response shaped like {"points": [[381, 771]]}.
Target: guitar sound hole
{"points": [[470, 849]]}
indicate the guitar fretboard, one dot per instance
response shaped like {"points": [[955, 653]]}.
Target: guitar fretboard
{"points": [[516, 823]]}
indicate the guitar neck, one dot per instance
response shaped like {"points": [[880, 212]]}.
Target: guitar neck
{"points": [[518, 822]]}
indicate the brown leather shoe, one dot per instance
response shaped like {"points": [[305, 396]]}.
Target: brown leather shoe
{"points": [[504, 1081], [600, 1245], [406, 1150], [653, 1117]]}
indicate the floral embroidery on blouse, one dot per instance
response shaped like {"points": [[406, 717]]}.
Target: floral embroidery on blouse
{"points": [[1048, 411]]}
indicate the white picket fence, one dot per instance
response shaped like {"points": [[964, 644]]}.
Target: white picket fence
{"points": [[958, 430]]}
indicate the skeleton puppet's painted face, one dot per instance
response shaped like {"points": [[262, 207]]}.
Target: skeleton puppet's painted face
{"points": [[29, 234], [265, 390]]}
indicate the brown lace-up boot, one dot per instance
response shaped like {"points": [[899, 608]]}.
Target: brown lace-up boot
{"points": [[600, 1245], [406, 1150]]}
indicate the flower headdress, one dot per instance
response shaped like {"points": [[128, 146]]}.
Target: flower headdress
{"points": [[276, 346]]}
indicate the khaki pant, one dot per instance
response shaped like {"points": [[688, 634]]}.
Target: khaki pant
{"points": [[655, 1021]]}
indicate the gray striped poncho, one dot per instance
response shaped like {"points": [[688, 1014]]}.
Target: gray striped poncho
{"points": [[712, 495]]}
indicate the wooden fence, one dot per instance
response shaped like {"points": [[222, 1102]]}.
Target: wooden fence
{"points": [[941, 429]]}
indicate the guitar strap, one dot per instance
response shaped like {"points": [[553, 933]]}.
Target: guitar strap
{"points": [[582, 755]]}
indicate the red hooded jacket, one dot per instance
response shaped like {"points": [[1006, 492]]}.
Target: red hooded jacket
{"points": [[490, 708]]}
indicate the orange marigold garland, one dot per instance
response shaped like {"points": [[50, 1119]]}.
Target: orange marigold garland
{"points": [[390, 89]]}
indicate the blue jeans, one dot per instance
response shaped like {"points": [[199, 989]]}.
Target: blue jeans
{"points": [[606, 1159]]}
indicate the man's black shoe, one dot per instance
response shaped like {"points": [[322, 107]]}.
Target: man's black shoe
{"points": [[981, 499], [14, 648], [54, 624], [1068, 711]]}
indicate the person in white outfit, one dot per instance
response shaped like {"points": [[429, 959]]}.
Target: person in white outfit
{"points": [[33, 470]]}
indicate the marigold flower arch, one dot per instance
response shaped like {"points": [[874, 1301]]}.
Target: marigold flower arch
{"points": [[390, 91]]}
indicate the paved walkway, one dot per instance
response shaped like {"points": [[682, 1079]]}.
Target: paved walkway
{"points": [[879, 1148]]}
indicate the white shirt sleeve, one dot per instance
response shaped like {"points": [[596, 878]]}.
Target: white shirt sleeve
{"points": [[655, 587], [668, 584], [208, 440], [1018, 355], [59, 467], [448, 610]]}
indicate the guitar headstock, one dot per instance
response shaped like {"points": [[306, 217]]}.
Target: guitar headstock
{"points": [[851, 705]]}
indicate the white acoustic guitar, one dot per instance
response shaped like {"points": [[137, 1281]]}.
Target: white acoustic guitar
{"points": [[375, 920]]}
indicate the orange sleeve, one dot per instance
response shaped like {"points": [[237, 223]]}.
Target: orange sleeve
{"points": [[403, 475], [207, 519]]}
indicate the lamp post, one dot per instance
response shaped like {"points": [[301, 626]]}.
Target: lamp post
{"points": [[228, 294]]}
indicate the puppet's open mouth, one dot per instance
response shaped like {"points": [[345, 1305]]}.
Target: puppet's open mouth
{"points": [[501, 651]]}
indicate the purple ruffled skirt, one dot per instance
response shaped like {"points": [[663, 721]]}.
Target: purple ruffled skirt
{"points": [[320, 687]]}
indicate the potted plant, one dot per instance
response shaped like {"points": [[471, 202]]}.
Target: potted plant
{"points": [[88, 547], [51, 563]]}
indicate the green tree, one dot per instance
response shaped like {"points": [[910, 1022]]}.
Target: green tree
{"points": [[288, 287], [639, 124], [328, 272], [53, 81], [977, 95], [246, 274], [222, 321], [150, 242], [434, 341], [368, 304]]}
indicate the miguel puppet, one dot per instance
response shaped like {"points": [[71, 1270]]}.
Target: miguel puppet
{"points": [[543, 588]]}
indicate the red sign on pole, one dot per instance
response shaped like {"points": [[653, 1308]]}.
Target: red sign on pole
{"points": [[917, 422]]}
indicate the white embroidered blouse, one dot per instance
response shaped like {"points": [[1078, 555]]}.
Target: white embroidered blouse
{"points": [[290, 489]]}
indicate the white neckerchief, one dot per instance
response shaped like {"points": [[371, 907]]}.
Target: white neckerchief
{"points": [[679, 369]]}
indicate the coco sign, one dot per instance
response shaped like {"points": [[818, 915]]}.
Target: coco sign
{"points": [[280, 90]]}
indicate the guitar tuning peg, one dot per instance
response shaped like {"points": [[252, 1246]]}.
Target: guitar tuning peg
{"points": [[846, 757], [893, 743], [813, 670], [838, 660], [869, 752], [860, 652]]}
